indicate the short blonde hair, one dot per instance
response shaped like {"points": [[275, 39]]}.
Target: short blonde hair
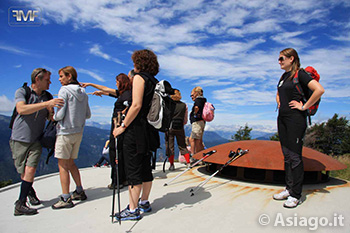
{"points": [[198, 90]]}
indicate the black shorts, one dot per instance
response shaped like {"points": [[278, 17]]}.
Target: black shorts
{"points": [[137, 163]]}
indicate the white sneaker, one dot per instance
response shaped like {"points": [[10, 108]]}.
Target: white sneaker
{"points": [[282, 195], [291, 202]]}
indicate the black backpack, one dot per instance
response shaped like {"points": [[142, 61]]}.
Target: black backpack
{"points": [[15, 113]]}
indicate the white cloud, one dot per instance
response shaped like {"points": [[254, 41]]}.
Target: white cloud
{"points": [[6, 105], [14, 50], [101, 114], [291, 39], [226, 44], [92, 74], [96, 50], [17, 66], [245, 95]]}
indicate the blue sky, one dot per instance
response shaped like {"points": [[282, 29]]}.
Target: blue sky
{"points": [[230, 48]]}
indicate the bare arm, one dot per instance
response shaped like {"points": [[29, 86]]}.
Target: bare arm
{"points": [[27, 109], [278, 100], [137, 97], [318, 91], [100, 87]]}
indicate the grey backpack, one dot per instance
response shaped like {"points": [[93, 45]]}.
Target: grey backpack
{"points": [[162, 107]]}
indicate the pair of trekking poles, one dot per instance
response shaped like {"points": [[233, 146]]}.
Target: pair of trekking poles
{"points": [[232, 155]]}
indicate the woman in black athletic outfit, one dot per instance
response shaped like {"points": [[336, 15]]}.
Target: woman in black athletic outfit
{"points": [[292, 123], [137, 135]]}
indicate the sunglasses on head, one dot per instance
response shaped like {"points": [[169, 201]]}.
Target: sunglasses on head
{"points": [[43, 70], [281, 58]]}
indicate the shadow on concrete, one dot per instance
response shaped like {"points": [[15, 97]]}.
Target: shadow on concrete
{"points": [[173, 200], [93, 194]]}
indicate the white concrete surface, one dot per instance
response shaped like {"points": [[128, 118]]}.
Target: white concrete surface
{"points": [[223, 205]]}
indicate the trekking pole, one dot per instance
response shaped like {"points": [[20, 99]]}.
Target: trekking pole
{"points": [[117, 174], [233, 156], [205, 155], [113, 184], [118, 189]]}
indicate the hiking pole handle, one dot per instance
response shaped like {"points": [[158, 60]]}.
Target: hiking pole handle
{"points": [[205, 155], [209, 153]]}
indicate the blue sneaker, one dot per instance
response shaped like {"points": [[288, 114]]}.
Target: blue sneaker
{"points": [[126, 214], [144, 208]]}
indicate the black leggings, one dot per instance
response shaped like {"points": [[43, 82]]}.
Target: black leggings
{"points": [[291, 131]]}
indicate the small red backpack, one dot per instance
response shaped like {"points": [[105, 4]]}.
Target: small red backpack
{"points": [[311, 71]]}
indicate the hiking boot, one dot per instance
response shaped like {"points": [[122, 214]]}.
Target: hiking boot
{"points": [[63, 204], [126, 214], [78, 196], [144, 208], [33, 199], [21, 208], [172, 167], [282, 195], [291, 202]]}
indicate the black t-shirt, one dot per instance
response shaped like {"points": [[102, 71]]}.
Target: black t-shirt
{"points": [[119, 104], [199, 102], [288, 92]]}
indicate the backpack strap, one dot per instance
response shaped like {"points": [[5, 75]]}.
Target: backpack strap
{"points": [[28, 91], [300, 90], [26, 96]]}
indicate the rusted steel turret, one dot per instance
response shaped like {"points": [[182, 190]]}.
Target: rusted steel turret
{"points": [[265, 163]]}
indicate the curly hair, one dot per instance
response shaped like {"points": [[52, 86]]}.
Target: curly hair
{"points": [[146, 61], [124, 82]]}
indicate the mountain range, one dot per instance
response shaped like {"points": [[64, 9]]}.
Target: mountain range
{"points": [[94, 138]]}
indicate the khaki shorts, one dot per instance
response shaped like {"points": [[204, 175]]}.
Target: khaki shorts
{"points": [[197, 129], [67, 146], [25, 154]]}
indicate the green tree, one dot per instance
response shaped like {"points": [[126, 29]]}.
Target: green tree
{"points": [[275, 137], [331, 137], [242, 133]]}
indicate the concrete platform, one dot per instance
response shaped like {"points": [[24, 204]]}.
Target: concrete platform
{"points": [[222, 205]]}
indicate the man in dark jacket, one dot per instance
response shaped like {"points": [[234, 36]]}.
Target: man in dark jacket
{"points": [[177, 130]]}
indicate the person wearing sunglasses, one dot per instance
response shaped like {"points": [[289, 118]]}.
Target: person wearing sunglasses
{"points": [[198, 124], [34, 104], [292, 122]]}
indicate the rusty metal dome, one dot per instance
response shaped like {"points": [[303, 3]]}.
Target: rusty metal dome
{"points": [[265, 162]]}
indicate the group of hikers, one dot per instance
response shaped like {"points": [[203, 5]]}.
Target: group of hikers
{"points": [[132, 137]]}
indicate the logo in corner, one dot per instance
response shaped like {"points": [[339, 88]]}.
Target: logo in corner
{"points": [[24, 16]]}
